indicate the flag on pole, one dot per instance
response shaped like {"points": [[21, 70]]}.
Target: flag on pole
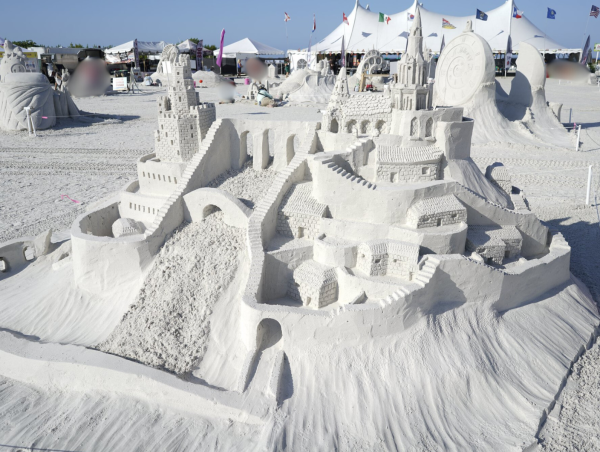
{"points": [[220, 57], [384, 18], [314, 23], [410, 16], [481, 15], [586, 51], [345, 19], [595, 11], [508, 58], [286, 18], [343, 62], [551, 13], [443, 44], [447, 25], [516, 13]]}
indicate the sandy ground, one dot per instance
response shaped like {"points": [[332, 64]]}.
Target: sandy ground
{"points": [[91, 159]]}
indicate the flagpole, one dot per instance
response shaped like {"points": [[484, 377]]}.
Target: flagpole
{"points": [[585, 32], [510, 18]]}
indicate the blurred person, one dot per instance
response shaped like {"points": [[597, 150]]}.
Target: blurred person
{"points": [[263, 98]]}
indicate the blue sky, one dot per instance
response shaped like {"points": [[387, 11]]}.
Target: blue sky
{"points": [[114, 22]]}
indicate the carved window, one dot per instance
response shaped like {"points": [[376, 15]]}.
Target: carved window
{"points": [[429, 127], [414, 127]]}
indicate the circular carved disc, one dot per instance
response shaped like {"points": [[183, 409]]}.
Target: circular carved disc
{"points": [[465, 64]]}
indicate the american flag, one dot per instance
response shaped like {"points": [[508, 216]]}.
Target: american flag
{"points": [[595, 11]]}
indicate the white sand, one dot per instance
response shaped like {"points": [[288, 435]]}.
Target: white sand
{"points": [[462, 379]]}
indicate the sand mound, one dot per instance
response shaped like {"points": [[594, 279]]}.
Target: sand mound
{"points": [[305, 85], [247, 184], [169, 324], [209, 79]]}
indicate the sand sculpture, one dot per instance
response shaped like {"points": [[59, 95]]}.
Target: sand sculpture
{"points": [[465, 77], [307, 85], [386, 272], [20, 90]]}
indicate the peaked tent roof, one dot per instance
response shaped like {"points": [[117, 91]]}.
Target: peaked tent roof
{"points": [[187, 46], [365, 32], [249, 46], [143, 46]]}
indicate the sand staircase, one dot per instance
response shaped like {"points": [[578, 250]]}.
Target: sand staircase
{"points": [[419, 281], [350, 178]]}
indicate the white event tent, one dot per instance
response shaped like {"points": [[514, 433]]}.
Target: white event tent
{"points": [[364, 32], [247, 48]]}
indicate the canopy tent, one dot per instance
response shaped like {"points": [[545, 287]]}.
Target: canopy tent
{"points": [[247, 48], [143, 47], [187, 46], [364, 32]]}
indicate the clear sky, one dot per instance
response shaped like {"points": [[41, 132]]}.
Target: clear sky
{"points": [[113, 22]]}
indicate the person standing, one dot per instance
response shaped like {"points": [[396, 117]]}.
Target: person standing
{"points": [[287, 68], [239, 68]]}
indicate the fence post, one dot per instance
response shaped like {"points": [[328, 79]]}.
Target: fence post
{"points": [[589, 186], [578, 134]]}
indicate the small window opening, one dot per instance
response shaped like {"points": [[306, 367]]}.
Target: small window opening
{"points": [[29, 253]]}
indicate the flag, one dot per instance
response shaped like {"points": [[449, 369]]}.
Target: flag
{"points": [[345, 19], [586, 51], [200, 55], [551, 13], [410, 16], [220, 57], [384, 18], [595, 11], [286, 18], [516, 13], [481, 15], [447, 25], [508, 58], [443, 44], [343, 62], [314, 23]]}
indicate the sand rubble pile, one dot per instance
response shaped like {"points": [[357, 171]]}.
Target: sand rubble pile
{"points": [[246, 183], [168, 326]]}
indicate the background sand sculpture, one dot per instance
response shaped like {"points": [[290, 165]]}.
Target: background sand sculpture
{"points": [[20, 90], [523, 117]]}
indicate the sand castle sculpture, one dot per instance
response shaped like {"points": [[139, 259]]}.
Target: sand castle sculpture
{"points": [[359, 248], [20, 90], [522, 117]]}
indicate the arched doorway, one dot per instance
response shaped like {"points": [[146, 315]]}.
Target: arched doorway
{"points": [[245, 143], [268, 334], [334, 126], [209, 210]]}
